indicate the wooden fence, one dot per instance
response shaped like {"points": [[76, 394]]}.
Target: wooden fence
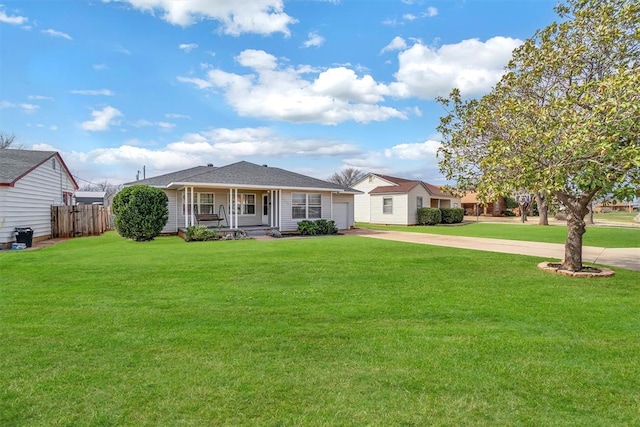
{"points": [[79, 220]]}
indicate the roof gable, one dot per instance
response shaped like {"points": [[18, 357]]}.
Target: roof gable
{"points": [[16, 164], [405, 185]]}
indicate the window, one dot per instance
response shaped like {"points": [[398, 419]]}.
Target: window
{"points": [[306, 205], [206, 203], [387, 205], [53, 164], [246, 204], [419, 202]]}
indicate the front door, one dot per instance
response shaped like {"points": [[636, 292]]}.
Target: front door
{"points": [[265, 209]]}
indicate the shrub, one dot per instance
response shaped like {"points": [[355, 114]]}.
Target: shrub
{"points": [[451, 215], [326, 226], [140, 212], [429, 216], [321, 226], [201, 233]]}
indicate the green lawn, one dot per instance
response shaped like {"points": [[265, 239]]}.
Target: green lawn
{"points": [[312, 332], [606, 237], [617, 216]]}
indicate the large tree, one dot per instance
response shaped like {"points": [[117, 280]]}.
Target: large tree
{"points": [[346, 177], [564, 119]]}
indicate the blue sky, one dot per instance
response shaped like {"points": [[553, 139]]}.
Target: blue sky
{"points": [[309, 86]]}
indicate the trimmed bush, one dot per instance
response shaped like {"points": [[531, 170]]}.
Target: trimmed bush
{"points": [[326, 226], [201, 233], [140, 212], [429, 216], [451, 215], [321, 226]]}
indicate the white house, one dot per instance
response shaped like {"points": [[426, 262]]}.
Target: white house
{"points": [[386, 199], [244, 194], [30, 183]]}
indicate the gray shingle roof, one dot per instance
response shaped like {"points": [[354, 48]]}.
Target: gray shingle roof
{"points": [[14, 164], [242, 174]]}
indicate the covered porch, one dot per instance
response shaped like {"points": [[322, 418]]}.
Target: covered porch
{"points": [[230, 208]]}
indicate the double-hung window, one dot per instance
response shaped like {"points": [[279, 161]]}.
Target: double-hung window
{"points": [[206, 203], [246, 204], [387, 205], [306, 205]]}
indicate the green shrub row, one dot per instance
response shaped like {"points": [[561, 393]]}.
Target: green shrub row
{"points": [[201, 233], [317, 227], [434, 216]]}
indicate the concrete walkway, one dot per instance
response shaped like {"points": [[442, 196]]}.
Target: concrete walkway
{"points": [[625, 258]]}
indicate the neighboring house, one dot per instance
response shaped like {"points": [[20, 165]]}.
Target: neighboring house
{"points": [[91, 198], [615, 207], [389, 200], [30, 183], [473, 206], [244, 194]]}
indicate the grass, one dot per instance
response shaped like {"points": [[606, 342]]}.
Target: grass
{"points": [[617, 216], [606, 237], [320, 331]]}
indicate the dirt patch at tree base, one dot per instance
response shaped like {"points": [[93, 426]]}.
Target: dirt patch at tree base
{"points": [[587, 271]]}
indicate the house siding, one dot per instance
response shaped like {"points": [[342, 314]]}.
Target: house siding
{"points": [[362, 208], [399, 215], [28, 203]]}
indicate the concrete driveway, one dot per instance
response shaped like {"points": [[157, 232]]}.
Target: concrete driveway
{"points": [[625, 258]]}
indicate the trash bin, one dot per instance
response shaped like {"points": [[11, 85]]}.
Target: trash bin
{"points": [[24, 235]]}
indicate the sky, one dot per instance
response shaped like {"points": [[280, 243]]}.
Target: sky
{"points": [[126, 88]]}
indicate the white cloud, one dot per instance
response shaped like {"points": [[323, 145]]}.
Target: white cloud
{"points": [[40, 98], [314, 40], [29, 108], [102, 119], [471, 65], [424, 150], [13, 20], [235, 17], [334, 96], [235, 144], [100, 67], [26, 108], [54, 33], [93, 92], [188, 47], [398, 43], [176, 116], [409, 17], [431, 12]]}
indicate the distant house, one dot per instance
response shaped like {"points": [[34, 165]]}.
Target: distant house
{"points": [[244, 194], [390, 200], [91, 198], [30, 183], [473, 206]]}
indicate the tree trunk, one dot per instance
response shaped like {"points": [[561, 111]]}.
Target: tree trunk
{"points": [[591, 213], [577, 209], [543, 208], [573, 246]]}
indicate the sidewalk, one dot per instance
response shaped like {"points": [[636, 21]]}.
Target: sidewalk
{"points": [[625, 258]]}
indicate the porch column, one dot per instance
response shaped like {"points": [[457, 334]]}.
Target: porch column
{"points": [[231, 208], [192, 216], [184, 208], [235, 208], [279, 219]]}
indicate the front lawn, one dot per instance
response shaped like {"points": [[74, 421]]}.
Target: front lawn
{"points": [[323, 331], [605, 237]]}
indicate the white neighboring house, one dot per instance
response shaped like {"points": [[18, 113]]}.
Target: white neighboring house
{"points": [[245, 194], [390, 200], [30, 183]]}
